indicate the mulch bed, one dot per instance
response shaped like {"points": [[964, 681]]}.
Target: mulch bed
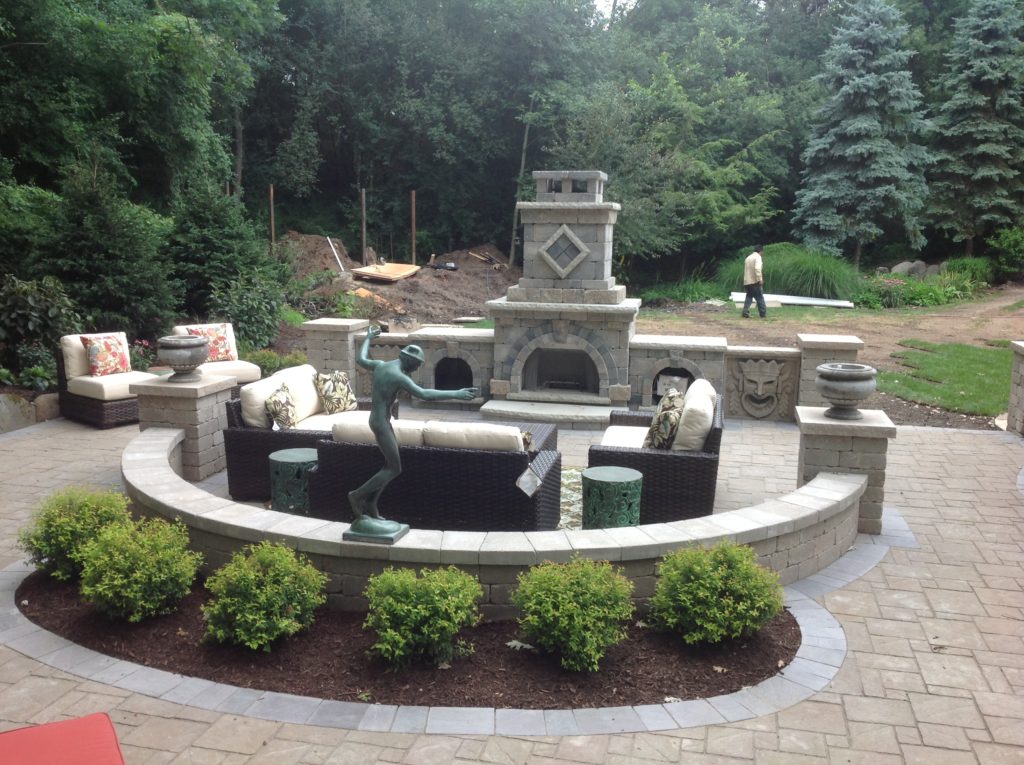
{"points": [[329, 660]]}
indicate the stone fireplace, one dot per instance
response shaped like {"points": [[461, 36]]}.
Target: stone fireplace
{"points": [[562, 334]]}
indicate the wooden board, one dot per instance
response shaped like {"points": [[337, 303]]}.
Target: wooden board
{"points": [[739, 297], [388, 272]]}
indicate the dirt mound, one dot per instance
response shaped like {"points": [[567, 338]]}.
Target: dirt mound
{"points": [[463, 282]]}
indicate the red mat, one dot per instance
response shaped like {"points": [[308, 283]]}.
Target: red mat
{"points": [[89, 740]]}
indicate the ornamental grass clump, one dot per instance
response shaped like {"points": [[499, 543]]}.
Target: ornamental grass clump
{"points": [[265, 592], [136, 570], [576, 610], [417, 618], [64, 522], [708, 596]]}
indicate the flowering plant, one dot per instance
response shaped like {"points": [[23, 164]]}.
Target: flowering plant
{"points": [[142, 354]]}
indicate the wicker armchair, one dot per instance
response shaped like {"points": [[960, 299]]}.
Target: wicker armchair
{"points": [[440, 488], [677, 484], [92, 411]]}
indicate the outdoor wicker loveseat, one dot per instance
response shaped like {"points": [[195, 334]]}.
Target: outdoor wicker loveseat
{"points": [[676, 484], [456, 489]]}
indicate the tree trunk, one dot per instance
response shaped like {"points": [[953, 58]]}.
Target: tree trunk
{"points": [[856, 254], [515, 212], [969, 247], [239, 151]]}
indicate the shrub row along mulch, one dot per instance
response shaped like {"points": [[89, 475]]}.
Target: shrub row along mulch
{"points": [[329, 660]]}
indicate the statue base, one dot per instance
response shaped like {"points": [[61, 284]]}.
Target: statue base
{"points": [[375, 531]]}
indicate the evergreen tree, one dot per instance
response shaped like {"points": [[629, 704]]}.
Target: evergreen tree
{"points": [[864, 165], [977, 180]]}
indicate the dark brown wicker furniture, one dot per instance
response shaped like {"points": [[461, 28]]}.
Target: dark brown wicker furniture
{"points": [[453, 489], [92, 411], [677, 484]]}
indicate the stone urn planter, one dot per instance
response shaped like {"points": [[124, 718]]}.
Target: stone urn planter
{"points": [[182, 353], [845, 385]]}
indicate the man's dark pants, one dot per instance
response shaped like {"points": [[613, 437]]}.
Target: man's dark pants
{"points": [[754, 292]]}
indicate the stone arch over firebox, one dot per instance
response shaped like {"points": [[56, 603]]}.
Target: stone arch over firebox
{"points": [[661, 366], [604, 368], [480, 373]]}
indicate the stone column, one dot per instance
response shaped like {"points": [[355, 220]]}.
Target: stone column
{"points": [[1015, 410], [330, 344], [195, 407], [821, 349], [852, 446]]}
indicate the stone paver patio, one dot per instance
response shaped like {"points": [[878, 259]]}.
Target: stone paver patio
{"points": [[934, 671]]}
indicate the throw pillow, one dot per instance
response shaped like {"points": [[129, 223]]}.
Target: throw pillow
{"points": [[221, 348], [107, 354], [694, 424], [281, 408], [662, 432], [335, 393]]}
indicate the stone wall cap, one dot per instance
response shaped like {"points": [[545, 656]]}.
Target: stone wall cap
{"points": [[842, 342], [347, 324], [562, 174], [564, 206], [875, 424], [454, 333], [206, 385], [682, 342], [763, 351], [626, 307], [1018, 347]]}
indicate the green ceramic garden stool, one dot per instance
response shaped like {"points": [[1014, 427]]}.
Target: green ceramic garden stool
{"points": [[611, 497], [289, 480]]}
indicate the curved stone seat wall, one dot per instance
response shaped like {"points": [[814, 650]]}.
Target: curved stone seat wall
{"points": [[796, 535]]}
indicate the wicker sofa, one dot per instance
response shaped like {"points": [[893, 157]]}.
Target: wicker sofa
{"points": [[457, 489], [100, 401], [677, 484]]}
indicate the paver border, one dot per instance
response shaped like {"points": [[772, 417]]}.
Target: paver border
{"points": [[822, 652]]}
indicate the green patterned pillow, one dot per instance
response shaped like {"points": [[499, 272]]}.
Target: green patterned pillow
{"points": [[335, 393], [666, 421], [280, 408]]}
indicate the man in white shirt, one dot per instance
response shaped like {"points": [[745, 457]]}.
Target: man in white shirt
{"points": [[753, 283]]}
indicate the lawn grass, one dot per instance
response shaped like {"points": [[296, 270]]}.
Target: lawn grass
{"points": [[956, 377]]}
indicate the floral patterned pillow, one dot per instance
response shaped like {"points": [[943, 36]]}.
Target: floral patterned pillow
{"points": [[335, 392], [663, 428], [281, 409], [107, 354], [221, 347]]}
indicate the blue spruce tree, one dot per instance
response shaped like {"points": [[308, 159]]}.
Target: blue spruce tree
{"points": [[978, 179], [864, 166]]}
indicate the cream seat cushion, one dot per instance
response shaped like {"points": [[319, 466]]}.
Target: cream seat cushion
{"points": [[242, 371], [108, 387], [626, 436], [300, 385], [473, 435], [407, 432], [695, 423]]}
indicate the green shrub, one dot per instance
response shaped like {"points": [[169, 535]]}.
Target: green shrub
{"points": [[693, 290], [270, 361], [417, 618], [66, 521], [33, 313], [136, 570], [264, 593], [252, 303], [142, 354], [979, 270], [293, 316], [708, 596], [790, 269], [38, 378], [575, 610], [1008, 253]]}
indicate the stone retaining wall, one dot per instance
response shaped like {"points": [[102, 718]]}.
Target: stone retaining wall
{"points": [[796, 535]]}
